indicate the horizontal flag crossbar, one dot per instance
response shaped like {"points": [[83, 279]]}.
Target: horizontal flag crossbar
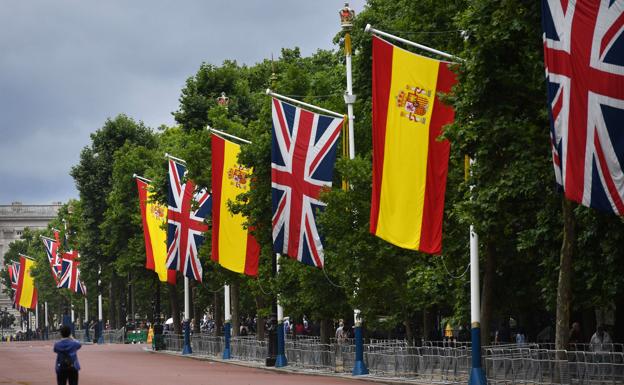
{"points": [[228, 135], [167, 155], [374, 31], [142, 178], [25, 256], [312, 106]]}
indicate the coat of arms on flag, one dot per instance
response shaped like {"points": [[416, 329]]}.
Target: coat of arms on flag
{"points": [[186, 226], [584, 59], [303, 153]]}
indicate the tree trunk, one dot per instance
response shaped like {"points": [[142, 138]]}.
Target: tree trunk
{"points": [[487, 293], [197, 313], [409, 332], [564, 287], [112, 307], [234, 295], [175, 308], [428, 324], [260, 321], [326, 331], [218, 313]]}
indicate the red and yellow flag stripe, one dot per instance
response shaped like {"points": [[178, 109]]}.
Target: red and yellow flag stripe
{"points": [[233, 247], [409, 163], [154, 216], [26, 292]]}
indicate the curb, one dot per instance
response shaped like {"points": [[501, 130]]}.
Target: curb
{"points": [[292, 370]]}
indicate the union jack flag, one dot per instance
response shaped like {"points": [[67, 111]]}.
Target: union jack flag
{"points": [[70, 273], [303, 152], [14, 269], [186, 226], [52, 252], [584, 58]]}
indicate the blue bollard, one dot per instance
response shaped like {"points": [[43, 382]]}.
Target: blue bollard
{"points": [[227, 331], [359, 367], [280, 360], [477, 377], [187, 338]]}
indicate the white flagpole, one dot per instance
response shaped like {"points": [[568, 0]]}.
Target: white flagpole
{"points": [[142, 178], [167, 155], [374, 31], [228, 135], [311, 106]]}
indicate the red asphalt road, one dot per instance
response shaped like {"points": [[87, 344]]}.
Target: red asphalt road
{"points": [[31, 363]]}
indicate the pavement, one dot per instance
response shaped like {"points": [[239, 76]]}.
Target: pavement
{"points": [[32, 363]]}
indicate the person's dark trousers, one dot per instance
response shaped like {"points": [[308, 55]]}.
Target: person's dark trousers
{"points": [[67, 376]]}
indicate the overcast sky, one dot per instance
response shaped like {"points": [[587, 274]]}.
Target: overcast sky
{"points": [[66, 66]]}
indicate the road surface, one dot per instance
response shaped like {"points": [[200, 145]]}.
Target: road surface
{"points": [[32, 363]]}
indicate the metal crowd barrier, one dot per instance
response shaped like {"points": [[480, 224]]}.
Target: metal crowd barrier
{"points": [[173, 342], [543, 366], [207, 345], [248, 349], [431, 363]]}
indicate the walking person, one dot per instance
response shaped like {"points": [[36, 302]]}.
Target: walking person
{"points": [[67, 365], [601, 340]]}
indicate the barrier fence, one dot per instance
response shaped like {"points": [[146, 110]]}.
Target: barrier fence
{"points": [[434, 362]]}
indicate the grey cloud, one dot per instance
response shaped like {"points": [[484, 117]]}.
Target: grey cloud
{"points": [[67, 65]]}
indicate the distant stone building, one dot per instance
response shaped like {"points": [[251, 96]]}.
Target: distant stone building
{"points": [[16, 217]]}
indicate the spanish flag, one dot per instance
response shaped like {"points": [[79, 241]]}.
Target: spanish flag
{"points": [[26, 292], [232, 245], [154, 216], [409, 162]]}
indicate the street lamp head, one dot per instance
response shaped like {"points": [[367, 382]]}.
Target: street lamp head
{"points": [[347, 15]]}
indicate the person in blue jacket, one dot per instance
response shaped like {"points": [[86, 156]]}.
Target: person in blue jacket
{"points": [[67, 365]]}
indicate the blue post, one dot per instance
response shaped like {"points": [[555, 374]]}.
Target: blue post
{"points": [[477, 377], [227, 331], [359, 367], [100, 332], [187, 338], [280, 360]]}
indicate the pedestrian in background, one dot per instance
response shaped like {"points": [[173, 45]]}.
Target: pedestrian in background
{"points": [[67, 365], [600, 339], [576, 334]]}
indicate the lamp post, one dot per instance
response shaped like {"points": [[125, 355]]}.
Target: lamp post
{"points": [[346, 22], [186, 349], [47, 325], [100, 339], [272, 331], [281, 359], [227, 325]]}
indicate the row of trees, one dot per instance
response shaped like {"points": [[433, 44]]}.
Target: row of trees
{"points": [[501, 122]]}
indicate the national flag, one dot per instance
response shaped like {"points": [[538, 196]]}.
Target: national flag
{"points": [[14, 269], [410, 164], [70, 273], [154, 216], [232, 244], [584, 59], [303, 153], [185, 232], [26, 292], [52, 252]]}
